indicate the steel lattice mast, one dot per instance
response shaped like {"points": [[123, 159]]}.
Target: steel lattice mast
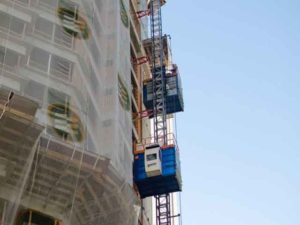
{"points": [[159, 95], [163, 214]]}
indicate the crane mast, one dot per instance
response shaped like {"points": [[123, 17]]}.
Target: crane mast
{"points": [[158, 73], [163, 214]]}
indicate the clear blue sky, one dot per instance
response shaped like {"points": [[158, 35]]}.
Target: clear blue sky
{"points": [[240, 133]]}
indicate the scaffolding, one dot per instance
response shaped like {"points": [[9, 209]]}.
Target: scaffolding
{"points": [[65, 103]]}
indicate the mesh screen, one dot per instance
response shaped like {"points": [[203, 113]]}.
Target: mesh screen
{"points": [[66, 134]]}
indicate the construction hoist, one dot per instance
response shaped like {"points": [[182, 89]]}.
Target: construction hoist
{"points": [[163, 206]]}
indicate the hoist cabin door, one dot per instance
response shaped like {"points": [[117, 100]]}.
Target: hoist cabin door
{"points": [[153, 160]]}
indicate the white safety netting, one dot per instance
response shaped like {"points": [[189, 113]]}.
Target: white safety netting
{"points": [[65, 96]]}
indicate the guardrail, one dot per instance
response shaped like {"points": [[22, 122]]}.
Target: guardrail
{"points": [[140, 147]]}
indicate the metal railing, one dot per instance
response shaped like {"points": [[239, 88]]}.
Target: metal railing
{"points": [[25, 3], [47, 7], [8, 68], [67, 42], [170, 141], [36, 65], [55, 73], [6, 30]]}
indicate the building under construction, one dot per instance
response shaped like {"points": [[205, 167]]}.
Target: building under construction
{"points": [[88, 91]]}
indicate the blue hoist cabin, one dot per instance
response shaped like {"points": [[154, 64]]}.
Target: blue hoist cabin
{"points": [[173, 87], [157, 168], [172, 80]]}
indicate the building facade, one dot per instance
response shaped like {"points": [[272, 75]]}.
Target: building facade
{"points": [[70, 103]]}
